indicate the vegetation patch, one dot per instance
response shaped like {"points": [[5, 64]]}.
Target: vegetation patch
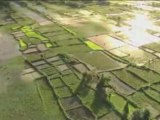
{"points": [[156, 87], [48, 71], [80, 113], [72, 81], [63, 92], [118, 85], [58, 62], [23, 45], [154, 65], [94, 57], [141, 100], [50, 105], [147, 75], [68, 77], [111, 115], [93, 45], [90, 99], [30, 33], [70, 102], [153, 46], [130, 79], [48, 45], [118, 105], [153, 94], [135, 55], [57, 83]]}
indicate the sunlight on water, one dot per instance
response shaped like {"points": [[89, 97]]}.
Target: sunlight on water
{"points": [[138, 34]]}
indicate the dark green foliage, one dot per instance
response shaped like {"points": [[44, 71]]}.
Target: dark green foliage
{"points": [[146, 114], [85, 79], [125, 112], [101, 88], [141, 115], [4, 4], [68, 59]]}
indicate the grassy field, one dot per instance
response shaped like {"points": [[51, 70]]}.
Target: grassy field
{"points": [[149, 76], [90, 99], [19, 98], [140, 99], [49, 103], [94, 57], [130, 79]]}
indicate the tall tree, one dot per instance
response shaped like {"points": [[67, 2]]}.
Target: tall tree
{"points": [[142, 114]]}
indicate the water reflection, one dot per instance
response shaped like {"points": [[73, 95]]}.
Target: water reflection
{"points": [[137, 32]]}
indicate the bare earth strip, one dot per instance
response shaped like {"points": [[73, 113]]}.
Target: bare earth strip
{"points": [[7, 47], [39, 19]]}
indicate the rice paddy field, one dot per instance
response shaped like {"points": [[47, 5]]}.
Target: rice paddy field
{"points": [[90, 62]]}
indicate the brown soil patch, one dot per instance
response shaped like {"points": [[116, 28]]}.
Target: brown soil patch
{"points": [[18, 34], [41, 47], [31, 76], [31, 50]]}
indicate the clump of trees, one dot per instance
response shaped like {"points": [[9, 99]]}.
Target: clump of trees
{"points": [[142, 114], [87, 78], [4, 4], [102, 88], [125, 112]]}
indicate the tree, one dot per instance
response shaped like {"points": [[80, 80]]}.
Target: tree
{"points": [[125, 112], [87, 77], [146, 114], [143, 114], [101, 88], [136, 115]]}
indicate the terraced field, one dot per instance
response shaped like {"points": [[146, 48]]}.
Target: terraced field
{"points": [[63, 63]]}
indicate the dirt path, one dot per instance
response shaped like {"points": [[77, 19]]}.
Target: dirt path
{"points": [[30, 14], [8, 47]]}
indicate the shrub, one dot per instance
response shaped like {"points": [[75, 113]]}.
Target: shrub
{"points": [[141, 115]]}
